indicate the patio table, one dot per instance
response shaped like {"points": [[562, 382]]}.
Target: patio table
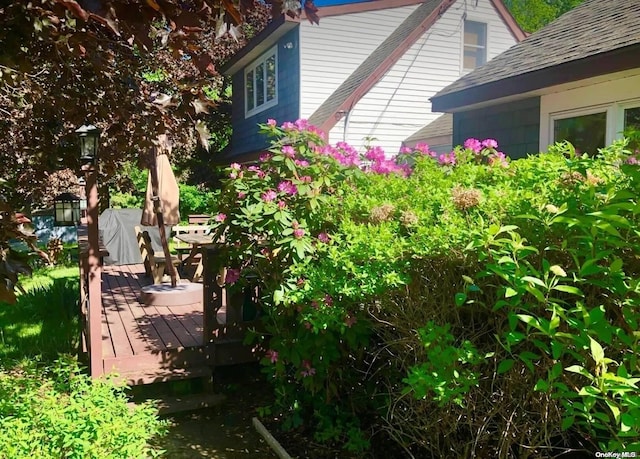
{"points": [[196, 241]]}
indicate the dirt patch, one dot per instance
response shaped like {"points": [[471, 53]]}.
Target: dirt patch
{"points": [[224, 431]]}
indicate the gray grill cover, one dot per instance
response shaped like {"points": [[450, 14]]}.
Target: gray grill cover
{"points": [[117, 229]]}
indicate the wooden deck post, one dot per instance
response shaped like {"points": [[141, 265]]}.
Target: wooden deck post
{"points": [[94, 274]]}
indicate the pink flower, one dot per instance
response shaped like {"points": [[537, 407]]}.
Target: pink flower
{"points": [[308, 369], [423, 148], [235, 166], [232, 276], [375, 154], [271, 122], [298, 233], [288, 151], [269, 196], [241, 194], [287, 125], [405, 150], [287, 187], [328, 300], [272, 355], [323, 237], [301, 163], [221, 217], [306, 179], [473, 144], [302, 124], [632, 160], [447, 159], [489, 143], [350, 320], [265, 157], [498, 159], [282, 204]]}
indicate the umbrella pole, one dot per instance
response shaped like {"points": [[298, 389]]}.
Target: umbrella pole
{"points": [[153, 170]]}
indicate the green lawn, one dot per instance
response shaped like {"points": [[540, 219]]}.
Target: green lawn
{"points": [[44, 322]]}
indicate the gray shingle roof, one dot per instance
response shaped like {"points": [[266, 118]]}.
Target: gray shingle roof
{"points": [[596, 26], [372, 63], [441, 126]]}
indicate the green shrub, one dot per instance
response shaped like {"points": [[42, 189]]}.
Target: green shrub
{"points": [[378, 320], [61, 413]]}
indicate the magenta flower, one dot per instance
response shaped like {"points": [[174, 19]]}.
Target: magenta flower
{"points": [[323, 237], [269, 195], [235, 166], [221, 217], [308, 369], [282, 204], [288, 151], [272, 355], [423, 148], [301, 163], [405, 150], [375, 154], [473, 144], [447, 159], [287, 125], [271, 123], [287, 187], [265, 157], [232, 276], [242, 195], [302, 124], [489, 143], [298, 233]]}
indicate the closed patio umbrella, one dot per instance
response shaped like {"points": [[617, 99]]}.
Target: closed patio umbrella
{"points": [[162, 198]]}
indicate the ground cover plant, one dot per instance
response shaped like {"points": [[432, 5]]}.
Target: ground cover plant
{"points": [[457, 304], [49, 407]]}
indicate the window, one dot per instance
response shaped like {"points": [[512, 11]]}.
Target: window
{"points": [[586, 133], [475, 45], [632, 119], [261, 85]]}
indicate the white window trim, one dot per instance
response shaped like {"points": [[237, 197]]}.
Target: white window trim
{"points": [[607, 108], [267, 104], [463, 70], [613, 94]]}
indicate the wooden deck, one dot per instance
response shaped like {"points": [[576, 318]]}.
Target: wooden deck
{"points": [[149, 343]]}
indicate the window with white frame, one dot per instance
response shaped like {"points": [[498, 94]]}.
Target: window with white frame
{"points": [[587, 132], [631, 119], [261, 83], [475, 45]]}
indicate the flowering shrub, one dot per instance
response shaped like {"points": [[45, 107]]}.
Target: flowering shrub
{"points": [[362, 262]]}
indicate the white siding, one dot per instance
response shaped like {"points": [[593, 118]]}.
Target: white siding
{"points": [[330, 52], [398, 105]]}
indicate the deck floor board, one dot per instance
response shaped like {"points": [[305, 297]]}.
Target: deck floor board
{"points": [[134, 330]]}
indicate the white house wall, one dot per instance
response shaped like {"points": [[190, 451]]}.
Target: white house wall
{"points": [[398, 105], [331, 51], [618, 91]]}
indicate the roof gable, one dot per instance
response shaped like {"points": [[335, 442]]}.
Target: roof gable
{"points": [[589, 31], [387, 54]]}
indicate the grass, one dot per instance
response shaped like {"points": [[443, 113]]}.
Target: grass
{"points": [[44, 322]]}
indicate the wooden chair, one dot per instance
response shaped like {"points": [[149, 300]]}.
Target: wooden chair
{"points": [[154, 267]]}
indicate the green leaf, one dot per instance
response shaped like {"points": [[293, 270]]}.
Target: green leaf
{"points": [[278, 296], [509, 292], [460, 298], [569, 289], [580, 370], [541, 385], [505, 366], [596, 351], [567, 422], [534, 280]]}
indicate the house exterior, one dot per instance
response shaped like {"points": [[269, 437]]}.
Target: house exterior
{"points": [[577, 79], [366, 72]]}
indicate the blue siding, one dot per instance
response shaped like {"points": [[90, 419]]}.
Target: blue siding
{"points": [[515, 125], [245, 137]]}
